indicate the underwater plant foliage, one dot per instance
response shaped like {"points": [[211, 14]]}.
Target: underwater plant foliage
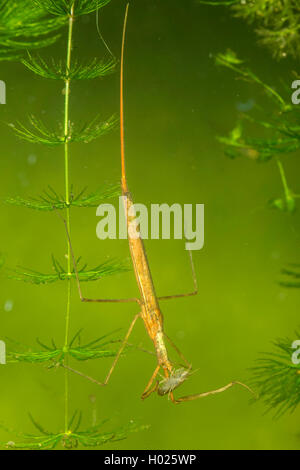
{"points": [[175, 104], [276, 23], [24, 28]]}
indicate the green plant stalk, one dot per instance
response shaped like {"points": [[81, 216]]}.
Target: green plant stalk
{"points": [[67, 195], [286, 188]]}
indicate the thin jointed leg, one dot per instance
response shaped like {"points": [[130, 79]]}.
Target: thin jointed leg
{"points": [[77, 372], [147, 392], [189, 365], [124, 342], [195, 291], [206, 394], [82, 298]]}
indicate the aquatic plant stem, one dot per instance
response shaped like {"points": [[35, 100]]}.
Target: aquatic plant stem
{"points": [[67, 196], [283, 179]]}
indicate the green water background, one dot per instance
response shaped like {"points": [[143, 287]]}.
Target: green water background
{"points": [[177, 101]]}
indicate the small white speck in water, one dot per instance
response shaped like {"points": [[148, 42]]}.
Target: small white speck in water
{"points": [[275, 255], [23, 179], [31, 159], [245, 106], [282, 296], [8, 305], [31, 99], [180, 334]]}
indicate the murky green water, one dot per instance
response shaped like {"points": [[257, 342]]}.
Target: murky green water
{"points": [[176, 103]]}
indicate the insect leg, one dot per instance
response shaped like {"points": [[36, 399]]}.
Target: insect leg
{"points": [[206, 394], [82, 298], [124, 342], [189, 365], [77, 372], [148, 390], [189, 294]]}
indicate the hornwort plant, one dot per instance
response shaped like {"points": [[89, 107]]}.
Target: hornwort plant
{"points": [[277, 28], [23, 28], [277, 376], [27, 28]]}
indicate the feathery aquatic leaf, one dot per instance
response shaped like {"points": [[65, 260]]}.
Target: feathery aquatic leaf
{"points": [[38, 426], [107, 268], [284, 204], [25, 26], [50, 200], [11, 44], [93, 130], [231, 61], [277, 24], [258, 149], [63, 7], [75, 414], [282, 131], [57, 71], [96, 349], [293, 276], [277, 378], [95, 198], [92, 437], [42, 135]]}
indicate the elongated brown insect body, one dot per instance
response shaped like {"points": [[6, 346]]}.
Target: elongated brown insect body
{"points": [[149, 302], [150, 312]]}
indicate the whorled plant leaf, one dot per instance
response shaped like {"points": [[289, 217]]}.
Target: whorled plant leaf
{"points": [[259, 149], [276, 24], [43, 136], [292, 276], [24, 18], [230, 60], [280, 127], [92, 437], [95, 198], [284, 204], [40, 134], [78, 71], [92, 130], [54, 355], [25, 26], [85, 274], [50, 200], [11, 45], [277, 377], [64, 7]]}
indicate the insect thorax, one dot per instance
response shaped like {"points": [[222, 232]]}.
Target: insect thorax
{"points": [[176, 378]]}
